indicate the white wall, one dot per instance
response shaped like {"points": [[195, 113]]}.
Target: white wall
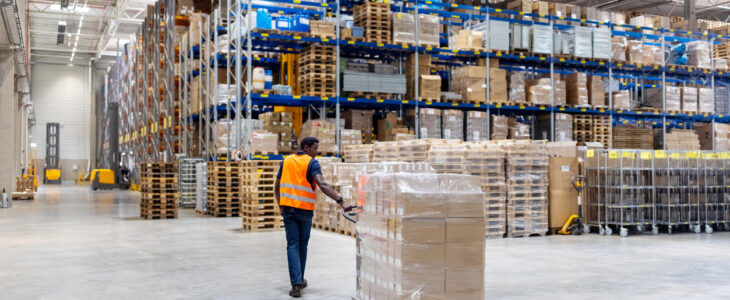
{"points": [[62, 94]]}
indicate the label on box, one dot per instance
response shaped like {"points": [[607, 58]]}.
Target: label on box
{"points": [[452, 118], [447, 133], [565, 168], [590, 153]]}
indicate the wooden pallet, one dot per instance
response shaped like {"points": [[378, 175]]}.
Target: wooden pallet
{"points": [[22, 195], [525, 234]]}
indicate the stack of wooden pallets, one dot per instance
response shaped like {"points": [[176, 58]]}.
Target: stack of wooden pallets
{"points": [[375, 18], [259, 210], [601, 130], [224, 188], [633, 138], [583, 128], [527, 182], [486, 160], [317, 71], [159, 190]]}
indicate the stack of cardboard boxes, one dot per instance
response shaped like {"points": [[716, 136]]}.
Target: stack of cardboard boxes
{"points": [[689, 99], [499, 127], [453, 124], [323, 131], [422, 236], [361, 120], [577, 89], [476, 126], [280, 124]]}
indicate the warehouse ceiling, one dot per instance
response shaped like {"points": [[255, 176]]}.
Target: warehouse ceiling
{"points": [[714, 10], [74, 29]]}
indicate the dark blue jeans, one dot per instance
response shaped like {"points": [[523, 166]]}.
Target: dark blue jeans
{"points": [[297, 224]]}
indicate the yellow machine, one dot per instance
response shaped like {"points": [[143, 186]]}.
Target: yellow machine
{"points": [[53, 176], [574, 224], [53, 161], [106, 179]]}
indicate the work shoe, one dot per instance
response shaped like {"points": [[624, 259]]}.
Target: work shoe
{"points": [[296, 291], [304, 283]]}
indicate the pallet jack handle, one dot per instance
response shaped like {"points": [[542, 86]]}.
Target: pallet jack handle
{"points": [[351, 214]]}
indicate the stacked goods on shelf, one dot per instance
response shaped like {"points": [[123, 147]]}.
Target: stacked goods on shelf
{"points": [[621, 100], [526, 171], [497, 37], [360, 120], [322, 28], [583, 128], [470, 82], [698, 53], [429, 124], [678, 139], [323, 131], [518, 131], [317, 71], [722, 99], [640, 53], [706, 100], [721, 136], [653, 97], [447, 158], [453, 124], [226, 132], [689, 99], [358, 153], [577, 89], [602, 130], [596, 92], [539, 91], [520, 37], [719, 63], [424, 69], [375, 18], [280, 124], [390, 126], [618, 48], [517, 87], [499, 127], [435, 249], [601, 43], [476, 126], [625, 137], [159, 190], [201, 192], [486, 160], [580, 41], [497, 84], [263, 142], [467, 40], [364, 84], [542, 39], [224, 185], [385, 151], [259, 210], [404, 29], [563, 127], [350, 137], [187, 181]]}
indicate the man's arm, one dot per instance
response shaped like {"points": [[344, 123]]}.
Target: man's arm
{"points": [[276, 191], [328, 190]]}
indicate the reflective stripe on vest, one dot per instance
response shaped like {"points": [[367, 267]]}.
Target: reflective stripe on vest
{"points": [[294, 189]]}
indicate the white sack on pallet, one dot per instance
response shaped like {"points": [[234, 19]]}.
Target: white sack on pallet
{"points": [[698, 54], [498, 34], [601, 43], [706, 100], [542, 36], [580, 41]]}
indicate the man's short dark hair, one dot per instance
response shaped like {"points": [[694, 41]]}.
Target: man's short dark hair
{"points": [[308, 142]]}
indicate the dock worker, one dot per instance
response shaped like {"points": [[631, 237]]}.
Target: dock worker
{"points": [[295, 189]]}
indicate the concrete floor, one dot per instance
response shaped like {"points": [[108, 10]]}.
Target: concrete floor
{"points": [[72, 243]]}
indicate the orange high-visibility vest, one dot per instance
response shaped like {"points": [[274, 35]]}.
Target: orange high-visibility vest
{"points": [[294, 189]]}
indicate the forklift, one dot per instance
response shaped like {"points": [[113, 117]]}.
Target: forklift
{"points": [[53, 162], [115, 176]]}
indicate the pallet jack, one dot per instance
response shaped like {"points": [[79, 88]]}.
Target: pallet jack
{"points": [[574, 224]]}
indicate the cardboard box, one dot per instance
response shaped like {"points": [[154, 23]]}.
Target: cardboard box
{"points": [[465, 205], [464, 285], [465, 256], [385, 126], [497, 85], [464, 230], [596, 91], [562, 195], [361, 120], [563, 149], [468, 40], [421, 205], [430, 87], [426, 231]]}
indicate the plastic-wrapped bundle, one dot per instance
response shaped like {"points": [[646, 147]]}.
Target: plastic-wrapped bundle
{"points": [[467, 39], [453, 124], [542, 39], [486, 160], [580, 41], [224, 94], [476, 126], [618, 48], [722, 99], [653, 97], [689, 99], [577, 89], [225, 132], [596, 91], [621, 100], [706, 100], [719, 63], [601, 41], [498, 34], [698, 53], [520, 37], [526, 170], [323, 131], [517, 86], [200, 186], [263, 142], [428, 29], [563, 127], [430, 123], [419, 237], [539, 91], [499, 127], [518, 131]]}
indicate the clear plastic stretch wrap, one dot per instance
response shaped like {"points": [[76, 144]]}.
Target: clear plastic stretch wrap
{"points": [[358, 153], [350, 137], [527, 207], [428, 29], [447, 158], [486, 160], [263, 142], [421, 236], [698, 53], [499, 127], [417, 150], [430, 123], [720, 63], [618, 48], [385, 151], [722, 99], [706, 100], [224, 94], [577, 89], [539, 91], [580, 39], [517, 86], [563, 127], [689, 99], [323, 131], [476, 126], [601, 43], [225, 133], [200, 186], [541, 39], [453, 124], [621, 100], [653, 98]]}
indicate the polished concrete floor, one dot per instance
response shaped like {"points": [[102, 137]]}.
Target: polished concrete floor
{"points": [[71, 243]]}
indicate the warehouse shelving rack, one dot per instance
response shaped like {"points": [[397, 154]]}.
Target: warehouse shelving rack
{"points": [[180, 139]]}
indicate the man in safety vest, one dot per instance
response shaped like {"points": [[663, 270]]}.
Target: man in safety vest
{"points": [[295, 190]]}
